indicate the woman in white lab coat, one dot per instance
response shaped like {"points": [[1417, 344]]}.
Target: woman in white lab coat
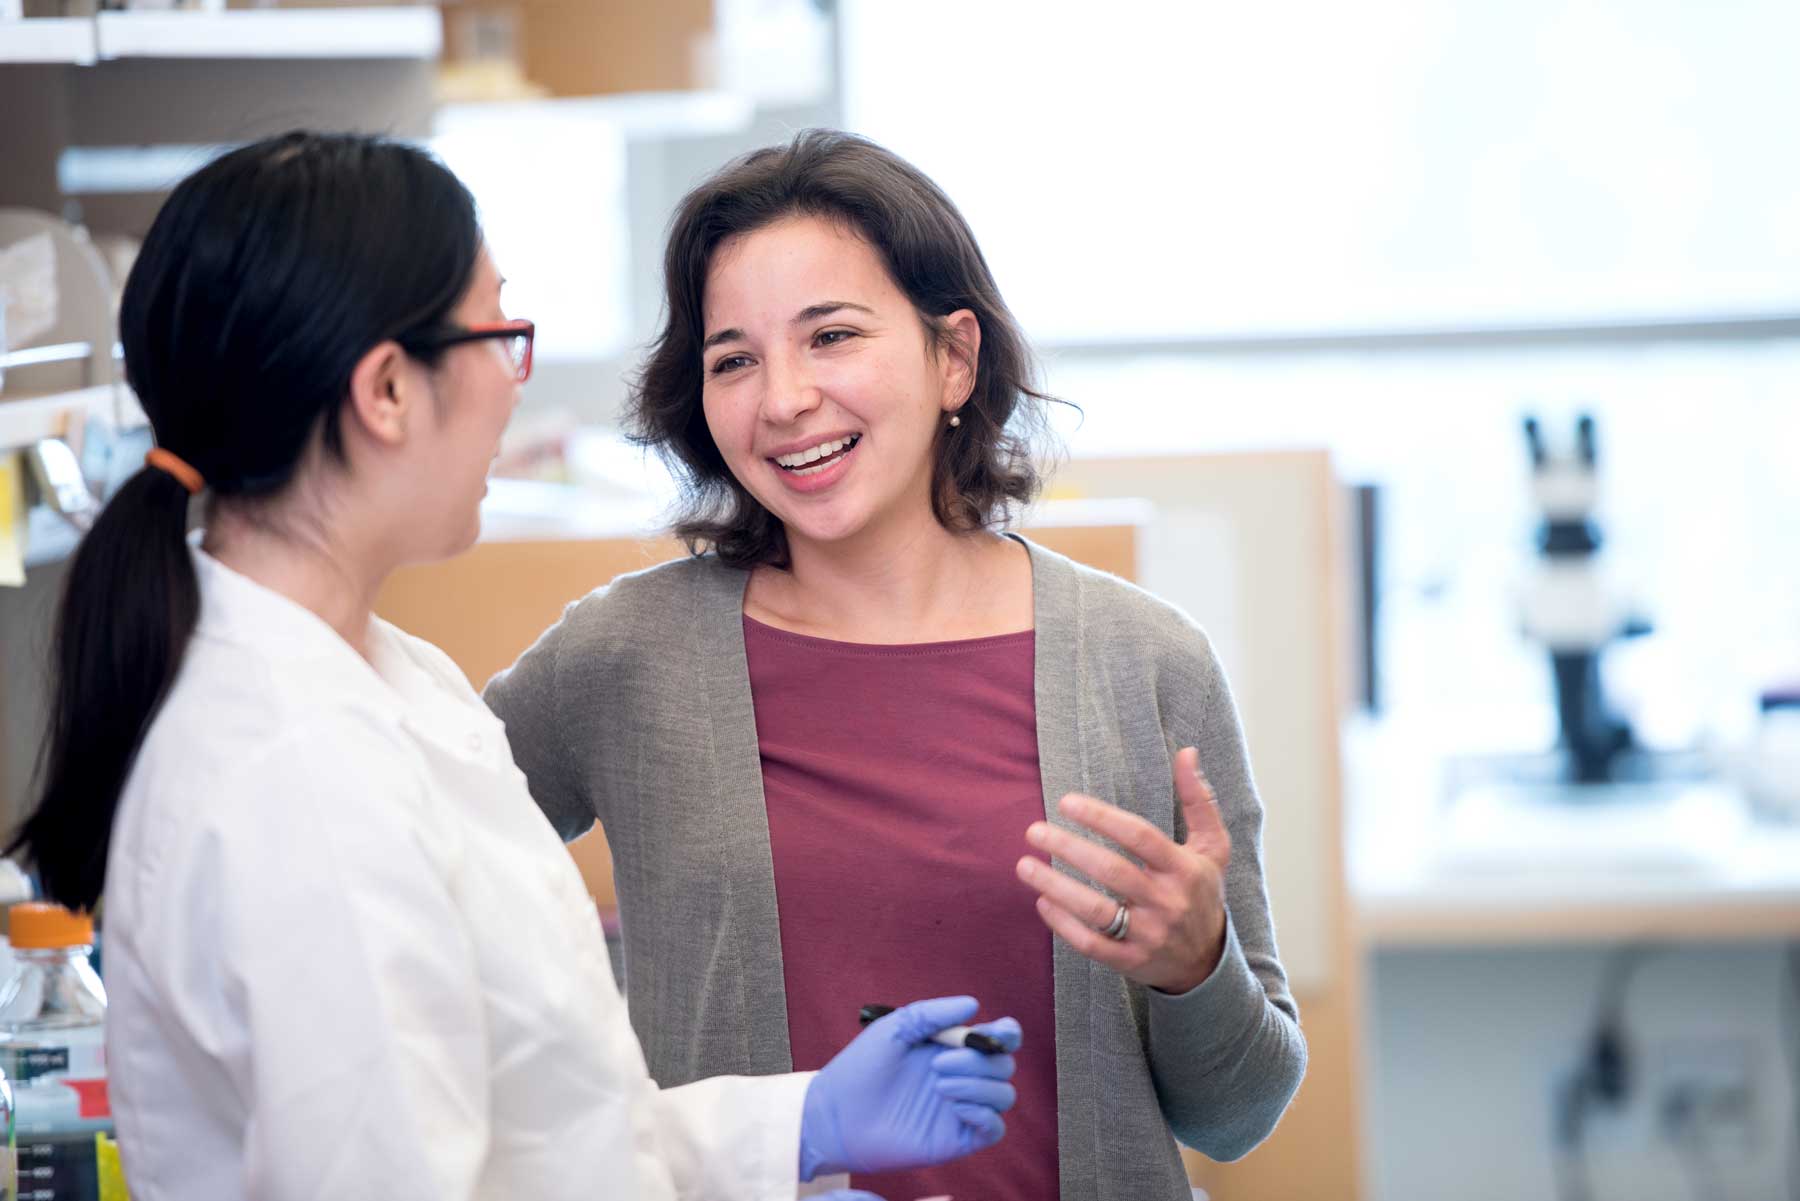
{"points": [[347, 956]]}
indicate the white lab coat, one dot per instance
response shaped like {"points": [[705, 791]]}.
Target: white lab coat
{"points": [[348, 958]]}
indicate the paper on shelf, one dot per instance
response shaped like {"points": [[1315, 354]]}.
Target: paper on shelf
{"points": [[28, 285]]}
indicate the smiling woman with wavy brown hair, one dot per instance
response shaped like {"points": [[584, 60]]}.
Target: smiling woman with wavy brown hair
{"points": [[837, 750]]}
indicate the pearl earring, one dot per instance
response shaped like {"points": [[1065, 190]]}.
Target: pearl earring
{"points": [[955, 421]]}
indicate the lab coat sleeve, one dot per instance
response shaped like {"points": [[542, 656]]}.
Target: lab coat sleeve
{"points": [[734, 1138], [1228, 1055], [353, 1030], [526, 697]]}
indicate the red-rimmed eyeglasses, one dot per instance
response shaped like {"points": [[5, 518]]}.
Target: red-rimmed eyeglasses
{"points": [[516, 338]]}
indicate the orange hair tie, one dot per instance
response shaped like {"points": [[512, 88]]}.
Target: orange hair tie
{"points": [[170, 462]]}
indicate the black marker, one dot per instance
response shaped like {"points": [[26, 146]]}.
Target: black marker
{"points": [[956, 1036]]}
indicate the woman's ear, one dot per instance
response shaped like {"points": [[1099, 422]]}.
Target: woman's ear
{"points": [[380, 393], [961, 354]]}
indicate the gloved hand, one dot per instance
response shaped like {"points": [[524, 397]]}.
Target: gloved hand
{"points": [[894, 1099]]}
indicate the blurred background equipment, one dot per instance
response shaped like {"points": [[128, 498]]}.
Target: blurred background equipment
{"points": [[1772, 763], [1572, 609]]}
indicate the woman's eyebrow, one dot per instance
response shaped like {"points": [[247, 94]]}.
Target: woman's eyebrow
{"points": [[813, 312], [724, 335]]}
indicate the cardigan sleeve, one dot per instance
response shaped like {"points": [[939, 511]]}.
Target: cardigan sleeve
{"points": [[526, 698], [1228, 1055]]}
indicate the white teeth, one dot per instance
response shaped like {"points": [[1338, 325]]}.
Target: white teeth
{"points": [[801, 458]]}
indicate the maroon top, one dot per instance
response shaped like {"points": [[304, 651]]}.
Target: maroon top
{"points": [[899, 781]]}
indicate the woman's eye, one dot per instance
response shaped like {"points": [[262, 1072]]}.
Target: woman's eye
{"points": [[831, 337], [730, 362]]}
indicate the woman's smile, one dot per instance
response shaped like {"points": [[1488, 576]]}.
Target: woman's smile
{"points": [[817, 467]]}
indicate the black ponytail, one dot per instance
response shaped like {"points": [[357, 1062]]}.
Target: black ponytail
{"points": [[115, 659], [264, 279]]}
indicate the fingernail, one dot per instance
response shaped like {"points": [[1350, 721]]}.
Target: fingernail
{"points": [[1074, 806], [1037, 832]]}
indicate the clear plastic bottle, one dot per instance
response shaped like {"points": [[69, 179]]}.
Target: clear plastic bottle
{"points": [[15, 886], [9, 1183], [53, 1051]]}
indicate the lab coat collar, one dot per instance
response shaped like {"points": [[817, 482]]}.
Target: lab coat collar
{"points": [[428, 698], [236, 609]]}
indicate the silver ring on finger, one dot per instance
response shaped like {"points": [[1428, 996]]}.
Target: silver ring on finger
{"points": [[1120, 926]]}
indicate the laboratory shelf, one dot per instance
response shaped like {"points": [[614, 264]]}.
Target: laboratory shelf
{"points": [[25, 420], [391, 32], [67, 40], [395, 32]]}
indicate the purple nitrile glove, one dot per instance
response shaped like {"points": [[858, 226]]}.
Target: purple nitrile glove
{"points": [[894, 1099]]}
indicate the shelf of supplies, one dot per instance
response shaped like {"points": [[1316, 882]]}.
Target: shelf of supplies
{"points": [[49, 538], [24, 420], [33, 356], [391, 32], [67, 40], [99, 170]]}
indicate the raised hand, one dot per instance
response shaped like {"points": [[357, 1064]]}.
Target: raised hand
{"points": [[1166, 929]]}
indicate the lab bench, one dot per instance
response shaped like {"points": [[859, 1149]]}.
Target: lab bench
{"points": [[1605, 873]]}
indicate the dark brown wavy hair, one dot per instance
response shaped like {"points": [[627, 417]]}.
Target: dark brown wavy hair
{"points": [[984, 469]]}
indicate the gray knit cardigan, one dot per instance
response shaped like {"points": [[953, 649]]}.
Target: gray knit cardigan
{"points": [[635, 710]]}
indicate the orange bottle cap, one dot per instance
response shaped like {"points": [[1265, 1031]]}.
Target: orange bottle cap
{"points": [[38, 926]]}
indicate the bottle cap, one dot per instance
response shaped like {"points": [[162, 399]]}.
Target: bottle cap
{"points": [[35, 925]]}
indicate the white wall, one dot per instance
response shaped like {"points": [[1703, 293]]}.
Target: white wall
{"points": [[1148, 168]]}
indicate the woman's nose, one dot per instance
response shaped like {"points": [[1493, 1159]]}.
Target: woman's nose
{"points": [[791, 393]]}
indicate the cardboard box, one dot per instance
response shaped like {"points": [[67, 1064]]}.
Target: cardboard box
{"points": [[587, 47]]}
